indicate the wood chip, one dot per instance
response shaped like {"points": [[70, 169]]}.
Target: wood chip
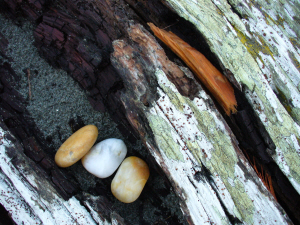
{"points": [[215, 82]]}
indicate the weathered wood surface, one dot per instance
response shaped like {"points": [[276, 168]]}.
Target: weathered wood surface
{"points": [[33, 189], [262, 52], [189, 137], [14, 115], [31, 199], [163, 104]]}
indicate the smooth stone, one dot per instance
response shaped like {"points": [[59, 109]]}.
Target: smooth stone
{"points": [[76, 146], [105, 157], [130, 179]]}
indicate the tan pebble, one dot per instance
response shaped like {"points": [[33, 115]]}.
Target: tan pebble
{"points": [[130, 179], [76, 146]]}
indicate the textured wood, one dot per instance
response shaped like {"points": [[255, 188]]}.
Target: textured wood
{"points": [[236, 48], [189, 140], [33, 189], [30, 197], [254, 44], [36, 150], [83, 50]]}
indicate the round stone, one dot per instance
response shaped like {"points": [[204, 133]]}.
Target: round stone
{"points": [[76, 146], [105, 157], [130, 179]]}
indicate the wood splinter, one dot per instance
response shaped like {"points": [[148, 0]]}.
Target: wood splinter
{"points": [[213, 79]]}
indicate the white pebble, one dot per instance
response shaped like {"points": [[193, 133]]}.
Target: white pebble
{"points": [[105, 157]]}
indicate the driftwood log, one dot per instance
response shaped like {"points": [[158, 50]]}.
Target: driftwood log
{"points": [[219, 166]]}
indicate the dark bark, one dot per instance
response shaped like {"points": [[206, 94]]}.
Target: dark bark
{"points": [[36, 155]]}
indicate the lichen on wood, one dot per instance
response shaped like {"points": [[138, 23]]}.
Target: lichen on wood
{"points": [[176, 120], [222, 31], [189, 137], [213, 148]]}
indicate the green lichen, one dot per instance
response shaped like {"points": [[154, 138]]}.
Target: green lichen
{"points": [[294, 60], [295, 42], [220, 12], [224, 220], [293, 112], [175, 98], [281, 127], [238, 55], [244, 203], [279, 21], [163, 135], [254, 47], [283, 99], [222, 160], [270, 21]]}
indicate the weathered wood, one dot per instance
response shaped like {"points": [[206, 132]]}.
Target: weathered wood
{"points": [[84, 54], [251, 47], [31, 198], [189, 139], [33, 189], [65, 183], [15, 116], [256, 47], [235, 35]]}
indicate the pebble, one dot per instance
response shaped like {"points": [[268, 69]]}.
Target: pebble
{"points": [[76, 146], [130, 179], [105, 157]]}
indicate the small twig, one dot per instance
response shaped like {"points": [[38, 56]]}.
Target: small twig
{"points": [[170, 25], [167, 218], [29, 86]]}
